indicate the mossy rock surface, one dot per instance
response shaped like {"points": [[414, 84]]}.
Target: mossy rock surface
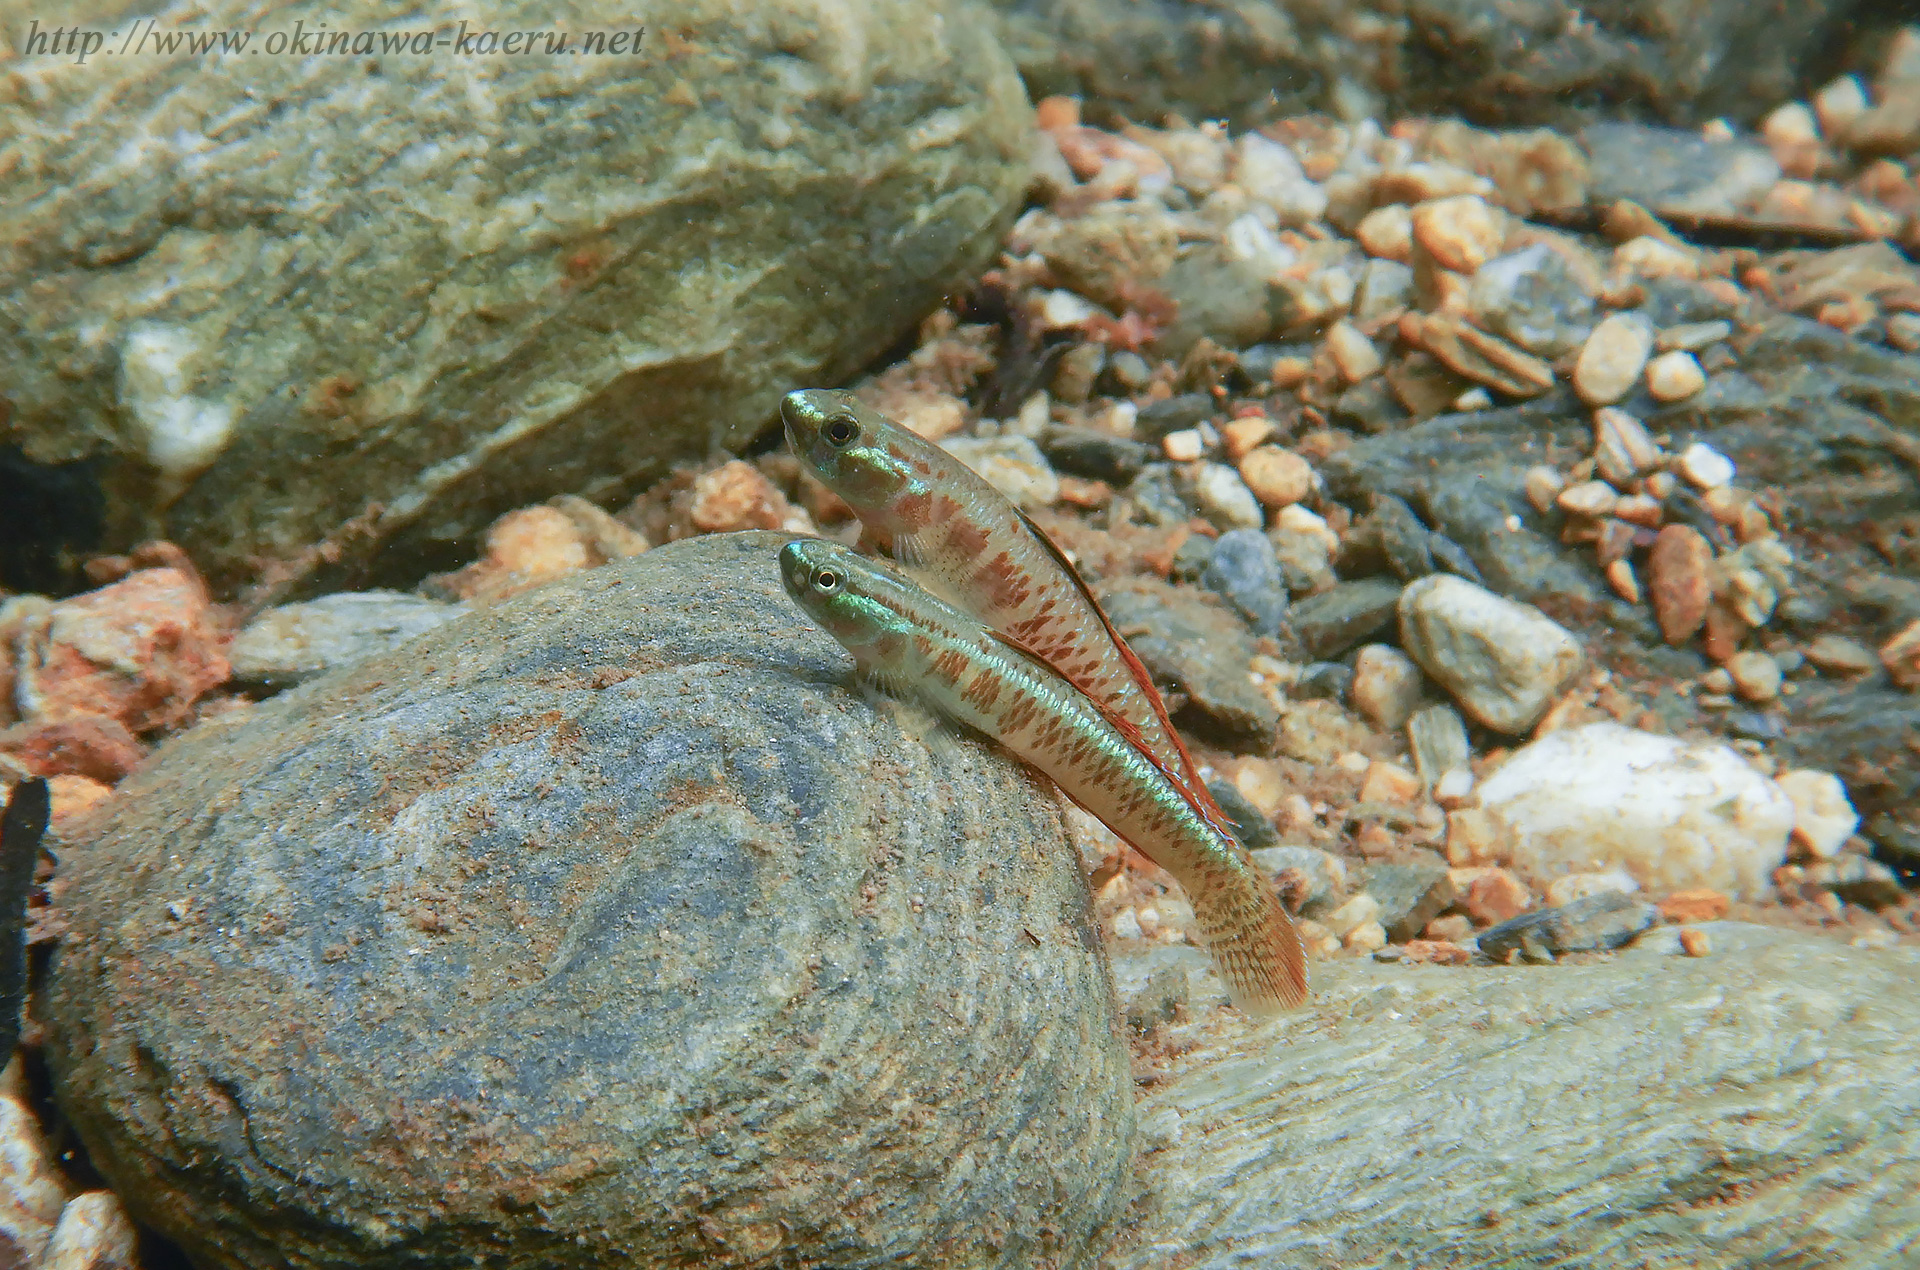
{"points": [[609, 926]]}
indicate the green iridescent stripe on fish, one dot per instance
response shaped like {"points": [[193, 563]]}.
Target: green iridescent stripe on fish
{"points": [[911, 640]]}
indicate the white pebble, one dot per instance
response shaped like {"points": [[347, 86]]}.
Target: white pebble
{"points": [[1184, 445], [1224, 498], [1704, 466], [1675, 376], [1611, 360], [1676, 815]]}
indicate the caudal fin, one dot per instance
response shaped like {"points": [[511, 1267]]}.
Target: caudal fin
{"points": [[1255, 945]]}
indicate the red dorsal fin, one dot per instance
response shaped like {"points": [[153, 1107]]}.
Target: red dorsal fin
{"points": [[1188, 778]]}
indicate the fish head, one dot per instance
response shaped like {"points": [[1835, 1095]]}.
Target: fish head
{"points": [[859, 454], [847, 594]]}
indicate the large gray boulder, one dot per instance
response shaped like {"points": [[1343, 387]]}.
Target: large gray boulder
{"points": [[1494, 61], [294, 311], [1755, 1107], [607, 926]]}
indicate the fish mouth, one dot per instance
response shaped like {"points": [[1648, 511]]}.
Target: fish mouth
{"points": [[796, 568], [800, 414]]}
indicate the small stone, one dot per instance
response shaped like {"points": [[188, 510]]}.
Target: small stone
{"points": [[733, 497], [1823, 816], [1622, 447], [1543, 486], [1857, 880], [1324, 874], [1387, 233], [1183, 446], [1839, 655], [1011, 464], [1598, 922], [1578, 886], [1651, 257], [1262, 783], [1271, 174], [1410, 896], [1354, 355], [1755, 675], [1532, 298], [1475, 836], [1903, 331], [1438, 738], [1385, 290], [1621, 578], [1065, 311], [1365, 938], [1611, 360], [1704, 467], [1694, 943], [1674, 814], [1223, 498], [1438, 952], [92, 745], [1160, 1000], [73, 796], [1901, 656], [139, 652], [1389, 783], [1358, 911], [1460, 233], [1588, 498], [1386, 686], [94, 1233], [1692, 336], [1700, 905], [1679, 581], [1790, 126], [1503, 661], [1469, 351], [1240, 437], [1333, 621], [1245, 571], [293, 643], [1643, 510], [1675, 376], [1454, 928], [33, 1195], [1840, 103], [1496, 896], [1094, 453], [1278, 478]]}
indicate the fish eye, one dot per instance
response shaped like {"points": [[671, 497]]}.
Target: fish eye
{"points": [[826, 580], [841, 430]]}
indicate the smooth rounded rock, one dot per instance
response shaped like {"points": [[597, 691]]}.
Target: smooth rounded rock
{"points": [[1612, 358], [1502, 660], [421, 289], [609, 925]]}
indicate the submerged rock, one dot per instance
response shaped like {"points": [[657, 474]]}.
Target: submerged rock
{"points": [[608, 925], [297, 642], [1677, 816], [544, 274], [1752, 1107]]}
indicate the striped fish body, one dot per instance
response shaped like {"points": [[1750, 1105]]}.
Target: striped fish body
{"points": [[962, 539], [912, 642]]}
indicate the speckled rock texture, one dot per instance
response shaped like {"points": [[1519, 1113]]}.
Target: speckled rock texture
{"points": [[606, 926], [1754, 1107], [472, 280], [1531, 61]]}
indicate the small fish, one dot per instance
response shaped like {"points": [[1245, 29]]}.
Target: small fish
{"points": [[908, 640], [966, 542]]}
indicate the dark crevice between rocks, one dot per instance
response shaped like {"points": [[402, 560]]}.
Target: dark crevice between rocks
{"points": [[52, 516]]}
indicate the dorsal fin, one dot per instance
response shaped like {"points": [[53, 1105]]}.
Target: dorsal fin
{"points": [[1188, 778]]}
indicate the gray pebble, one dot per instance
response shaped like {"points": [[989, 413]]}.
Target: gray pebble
{"points": [[1324, 681], [1244, 569], [1331, 622], [1253, 829], [296, 642], [1410, 895], [1602, 921]]}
